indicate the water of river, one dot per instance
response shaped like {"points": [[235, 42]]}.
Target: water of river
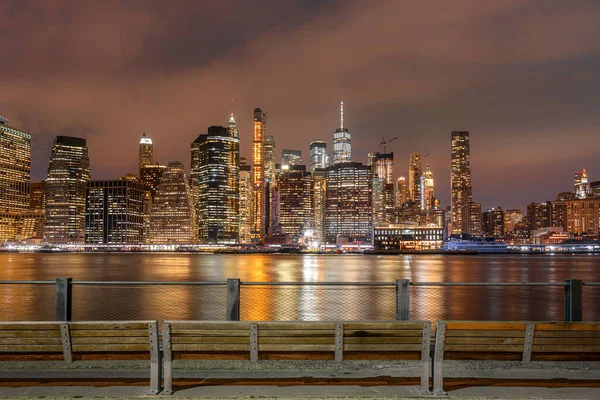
{"points": [[114, 302]]}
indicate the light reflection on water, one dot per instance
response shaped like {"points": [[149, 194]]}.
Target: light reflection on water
{"points": [[23, 302]]}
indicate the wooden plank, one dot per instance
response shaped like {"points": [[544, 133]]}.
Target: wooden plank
{"points": [[224, 340], [382, 332], [484, 340], [568, 341], [29, 334], [483, 348], [567, 334], [384, 340], [298, 333], [31, 348], [384, 325], [467, 355], [480, 333], [283, 355], [208, 325], [295, 347], [109, 325], [232, 355], [210, 347], [100, 348], [295, 325], [382, 347], [30, 326], [540, 348], [210, 332], [108, 340], [107, 333], [293, 340], [486, 326], [567, 326], [378, 355], [26, 341]]}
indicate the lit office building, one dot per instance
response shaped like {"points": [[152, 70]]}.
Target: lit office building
{"points": [[401, 191], [460, 178], [146, 151], [408, 237], [38, 196], [15, 177], [172, 215], [114, 212], [378, 201], [583, 216], [296, 202], [259, 221], [511, 219], [415, 170], [342, 141], [30, 225], [539, 215], [349, 203], [150, 176], [215, 185], [245, 203], [68, 174], [493, 222], [319, 201], [384, 166], [471, 218], [319, 158], [427, 190], [290, 158], [581, 185], [270, 155]]}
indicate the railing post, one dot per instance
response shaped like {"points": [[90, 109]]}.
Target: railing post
{"points": [[402, 300], [64, 299], [233, 299], [573, 300]]}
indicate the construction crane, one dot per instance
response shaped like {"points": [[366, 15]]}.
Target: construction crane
{"points": [[385, 142]]}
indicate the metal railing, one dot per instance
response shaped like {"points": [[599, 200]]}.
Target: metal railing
{"points": [[63, 297]]}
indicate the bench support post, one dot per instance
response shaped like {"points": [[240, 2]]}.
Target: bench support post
{"points": [[528, 345], [438, 362], [155, 359], [402, 300], [339, 342], [65, 336], [167, 359], [573, 300], [64, 299], [254, 342], [233, 299], [425, 358]]}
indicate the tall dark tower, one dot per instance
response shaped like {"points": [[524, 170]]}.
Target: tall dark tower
{"points": [[460, 177]]}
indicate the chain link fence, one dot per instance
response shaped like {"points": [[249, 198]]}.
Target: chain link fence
{"points": [[27, 301]]}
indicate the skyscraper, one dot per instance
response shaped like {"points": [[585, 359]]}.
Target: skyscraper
{"points": [[319, 200], [114, 212], [401, 191], [349, 202], [15, 177], [270, 164], [296, 201], [290, 157], [581, 186], [146, 151], [68, 174], [215, 185], [342, 140], [415, 171], [259, 213], [172, 216], [460, 178], [319, 158], [245, 203], [471, 218], [427, 190], [384, 169]]}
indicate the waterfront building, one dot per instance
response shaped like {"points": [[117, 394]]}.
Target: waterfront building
{"points": [[150, 176], [259, 210], [415, 170], [408, 237], [30, 226], [401, 191], [245, 203], [460, 177], [471, 218], [114, 212], [581, 186], [319, 203], [172, 215], [511, 219], [296, 202], [539, 215], [318, 156], [349, 203], [68, 174], [146, 155], [290, 158], [215, 184], [270, 162], [493, 222], [342, 141], [15, 177], [427, 190], [583, 216]]}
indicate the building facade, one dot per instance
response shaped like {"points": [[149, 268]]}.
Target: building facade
{"points": [[415, 170], [319, 203], [407, 237], [245, 203], [583, 216], [270, 159], [427, 190], [259, 211], [471, 219], [146, 153], [401, 191], [290, 158], [114, 212], [342, 141], [460, 177], [68, 175], [318, 156], [296, 202]]}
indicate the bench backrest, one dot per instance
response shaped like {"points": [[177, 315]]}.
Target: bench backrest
{"points": [[566, 341], [30, 337]]}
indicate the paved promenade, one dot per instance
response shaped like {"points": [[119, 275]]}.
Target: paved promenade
{"points": [[301, 379]]}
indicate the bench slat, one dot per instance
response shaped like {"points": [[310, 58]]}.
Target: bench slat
{"points": [[294, 332], [29, 326], [382, 347], [382, 333], [101, 348], [295, 325], [210, 332], [208, 325], [210, 347], [108, 340], [29, 334], [567, 326], [485, 340], [295, 347], [540, 348], [483, 348], [481, 333], [26, 341], [295, 340], [108, 325], [561, 341], [567, 334], [106, 332], [486, 326], [383, 340], [31, 349], [384, 325], [212, 339]]}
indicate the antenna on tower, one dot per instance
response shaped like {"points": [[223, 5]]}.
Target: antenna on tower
{"points": [[342, 113], [231, 108]]}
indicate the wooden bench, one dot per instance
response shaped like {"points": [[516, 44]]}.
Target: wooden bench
{"points": [[254, 341], [68, 341], [522, 341]]}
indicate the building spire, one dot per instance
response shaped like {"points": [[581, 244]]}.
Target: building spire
{"points": [[231, 109], [342, 113]]}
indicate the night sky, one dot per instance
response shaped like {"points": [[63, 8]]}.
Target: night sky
{"points": [[522, 76]]}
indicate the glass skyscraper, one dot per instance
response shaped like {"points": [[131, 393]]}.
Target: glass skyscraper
{"points": [[460, 178], [342, 141], [318, 156]]}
